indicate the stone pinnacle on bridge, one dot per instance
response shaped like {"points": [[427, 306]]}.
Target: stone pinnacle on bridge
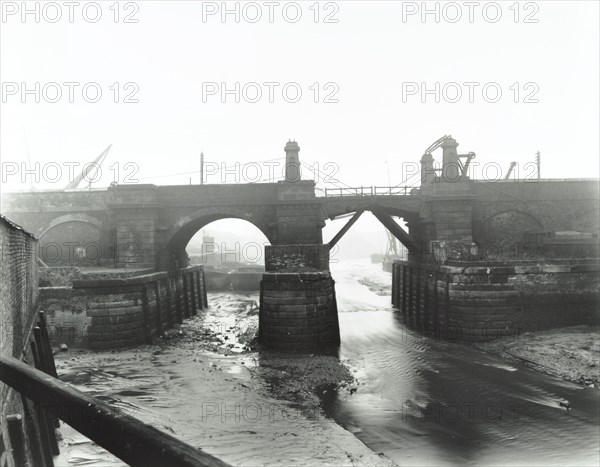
{"points": [[450, 161], [292, 162]]}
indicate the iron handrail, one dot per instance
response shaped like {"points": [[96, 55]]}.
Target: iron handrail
{"points": [[367, 191], [129, 439]]}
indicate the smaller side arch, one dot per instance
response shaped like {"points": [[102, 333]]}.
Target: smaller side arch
{"points": [[504, 232], [74, 240], [74, 217]]}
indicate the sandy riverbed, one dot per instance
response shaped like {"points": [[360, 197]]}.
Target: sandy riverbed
{"points": [[213, 357]]}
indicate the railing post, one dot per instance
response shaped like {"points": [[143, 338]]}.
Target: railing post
{"points": [[49, 448], [17, 441], [136, 443], [44, 327], [33, 429]]}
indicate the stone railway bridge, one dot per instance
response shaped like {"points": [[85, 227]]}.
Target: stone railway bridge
{"points": [[150, 226]]}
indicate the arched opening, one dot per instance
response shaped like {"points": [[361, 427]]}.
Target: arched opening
{"points": [[177, 256], [73, 243], [505, 235], [232, 251]]}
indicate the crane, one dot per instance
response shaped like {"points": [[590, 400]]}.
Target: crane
{"points": [[510, 169], [464, 167], [86, 173]]}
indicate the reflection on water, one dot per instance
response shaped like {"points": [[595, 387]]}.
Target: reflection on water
{"points": [[427, 402], [419, 401]]}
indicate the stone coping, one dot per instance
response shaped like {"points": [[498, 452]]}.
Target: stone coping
{"points": [[510, 267], [295, 276], [134, 280]]}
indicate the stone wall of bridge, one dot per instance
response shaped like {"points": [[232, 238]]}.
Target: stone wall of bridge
{"points": [[509, 213]]}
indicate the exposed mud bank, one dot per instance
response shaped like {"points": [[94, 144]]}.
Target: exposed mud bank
{"points": [[571, 353], [208, 383], [376, 286]]}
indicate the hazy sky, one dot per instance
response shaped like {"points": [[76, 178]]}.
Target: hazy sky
{"points": [[369, 57]]}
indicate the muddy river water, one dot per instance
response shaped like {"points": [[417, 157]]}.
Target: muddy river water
{"points": [[414, 400]]}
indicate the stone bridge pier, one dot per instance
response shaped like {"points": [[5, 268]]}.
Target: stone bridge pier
{"points": [[298, 308]]}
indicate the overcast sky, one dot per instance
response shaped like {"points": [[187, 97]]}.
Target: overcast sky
{"points": [[371, 54]]}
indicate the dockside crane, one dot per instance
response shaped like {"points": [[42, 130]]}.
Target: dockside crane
{"points": [[463, 166], [91, 173]]}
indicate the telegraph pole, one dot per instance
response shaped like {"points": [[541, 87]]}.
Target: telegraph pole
{"points": [[202, 168], [537, 161]]}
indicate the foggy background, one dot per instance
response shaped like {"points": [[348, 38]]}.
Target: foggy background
{"points": [[367, 54]]}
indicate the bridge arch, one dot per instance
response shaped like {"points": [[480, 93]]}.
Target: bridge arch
{"points": [[73, 240], [505, 229], [188, 225], [65, 218]]}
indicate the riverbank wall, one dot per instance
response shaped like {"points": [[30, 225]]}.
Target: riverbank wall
{"points": [[481, 301], [27, 433], [109, 313]]}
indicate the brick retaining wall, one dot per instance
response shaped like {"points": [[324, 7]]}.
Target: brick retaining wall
{"points": [[26, 436]]}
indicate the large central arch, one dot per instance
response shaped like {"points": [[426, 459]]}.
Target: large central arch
{"points": [[187, 226]]}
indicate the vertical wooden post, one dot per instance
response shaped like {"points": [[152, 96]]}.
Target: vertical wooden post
{"points": [[193, 293], [146, 310], [44, 427], [419, 321], [426, 301], [436, 305], [159, 308], [186, 298], [178, 297], [168, 285], [261, 327], [403, 288], [200, 291], [394, 284], [446, 301], [17, 440], [410, 292], [204, 291], [48, 348], [46, 365], [33, 431]]}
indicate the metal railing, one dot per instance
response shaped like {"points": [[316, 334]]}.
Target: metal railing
{"points": [[47, 399], [368, 191]]}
